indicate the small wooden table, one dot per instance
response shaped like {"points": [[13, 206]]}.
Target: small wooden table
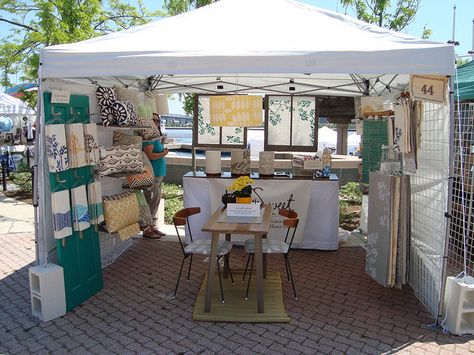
{"points": [[258, 230]]}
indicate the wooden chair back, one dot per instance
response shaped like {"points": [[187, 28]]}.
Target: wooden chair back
{"points": [[181, 218], [291, 222]]}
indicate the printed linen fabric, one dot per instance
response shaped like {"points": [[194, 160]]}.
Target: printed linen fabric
{"points": [[80, 208], [61, 209], [146, 218], [121, 138], [129, 231], [121, 213], [96, 207], [149, 133], [56, 148], [121, 116], [132, 114], [120, 159], [76, 145], [91, 143], [145, 179], [124, 94]]}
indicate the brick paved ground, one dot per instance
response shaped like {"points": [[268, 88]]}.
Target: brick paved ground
{"points": [[339, 310]]}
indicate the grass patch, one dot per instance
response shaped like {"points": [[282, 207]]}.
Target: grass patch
{"points": [[173, 195], [350, 205]]}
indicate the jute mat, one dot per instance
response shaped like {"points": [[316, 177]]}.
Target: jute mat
{"points": [[236, 308]]}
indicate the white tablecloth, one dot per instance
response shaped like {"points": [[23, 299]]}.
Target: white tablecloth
{"points": [[318, 227]]}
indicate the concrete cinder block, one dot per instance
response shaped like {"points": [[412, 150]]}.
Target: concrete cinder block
{"points": [[459, 305]]}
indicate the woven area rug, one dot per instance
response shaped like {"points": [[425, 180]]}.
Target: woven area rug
{"points": [[236, 308]]}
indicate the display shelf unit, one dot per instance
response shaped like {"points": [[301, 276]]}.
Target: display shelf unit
{"points": [[118, 128], [48, 297], [459, 305]]}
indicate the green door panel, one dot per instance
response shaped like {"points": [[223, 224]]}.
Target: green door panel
{"points": [[81, 176], [68, 258], [54, 113], [60, 181], [78, 109]]}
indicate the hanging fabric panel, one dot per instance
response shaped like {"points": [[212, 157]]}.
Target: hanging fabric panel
{"points": [[61, 209], [76, 145], [80, 208], [56, 148], [91, 143]]}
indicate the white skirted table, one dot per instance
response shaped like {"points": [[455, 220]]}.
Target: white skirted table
{"points": [[315, 201]]}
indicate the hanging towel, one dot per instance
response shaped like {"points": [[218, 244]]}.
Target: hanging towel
{"points": [[399, 129], [91, 143], [80, 208], [96, 209], [76, 145], [56, 148], [61, 209], [29, 129]]}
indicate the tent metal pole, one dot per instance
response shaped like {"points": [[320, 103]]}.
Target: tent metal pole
{"points": [[449, 202]]}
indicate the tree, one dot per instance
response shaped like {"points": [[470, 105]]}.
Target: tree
{"points": [[176, 7], [384, 14], [39, 23]]}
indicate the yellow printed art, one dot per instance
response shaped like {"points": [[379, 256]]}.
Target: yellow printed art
{"points": [[236, 111]]}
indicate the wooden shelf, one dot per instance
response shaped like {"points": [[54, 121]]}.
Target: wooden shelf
{"points": [[125, 128]]}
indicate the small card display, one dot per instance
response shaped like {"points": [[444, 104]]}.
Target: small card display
{"points": [[243, 209]]}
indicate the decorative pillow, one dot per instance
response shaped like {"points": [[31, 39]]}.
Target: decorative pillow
{"points": [[124, 94], [121, 116], [143, 180], [121, 138], [117, 196], [129, 231], [121, 213], [146, 218], [107, 115], [149, 133], [120, 159], [132, 114], [105, 96]]}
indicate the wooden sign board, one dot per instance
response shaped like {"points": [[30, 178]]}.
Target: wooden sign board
{"points": [[429, 87]]}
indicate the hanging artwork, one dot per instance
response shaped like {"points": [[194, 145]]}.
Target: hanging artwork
{"points": [[235, 110], [91, 143], [76, 145], [80, 208], [56, 148], [61, 209]]}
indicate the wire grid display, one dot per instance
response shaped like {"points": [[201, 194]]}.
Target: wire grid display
{"points": [[111, 247], [461, 228], [429, 195]]}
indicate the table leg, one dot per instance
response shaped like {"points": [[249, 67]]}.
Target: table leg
{"points": [[226, 259], [211, 271], [264, 261], [259, 272]]}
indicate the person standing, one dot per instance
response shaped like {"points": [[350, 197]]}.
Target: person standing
{"points": [[156, 152]]}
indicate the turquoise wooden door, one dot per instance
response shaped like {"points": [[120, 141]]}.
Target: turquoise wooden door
{"points": [[78, 254]]}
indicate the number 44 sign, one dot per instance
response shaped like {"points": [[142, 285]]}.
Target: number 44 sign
{"points": [[429, 87]]}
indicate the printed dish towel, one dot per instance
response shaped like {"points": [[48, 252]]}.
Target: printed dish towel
{"points": [[75, 145], [80, 208], [61, 208], [96, 207], [56, 148], [91, 143]]}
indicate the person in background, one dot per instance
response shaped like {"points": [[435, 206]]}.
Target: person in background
{"points": [[156, 152]]}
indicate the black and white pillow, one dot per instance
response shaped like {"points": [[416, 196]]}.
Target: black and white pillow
{"points": [[107, 115], [120, 113], [105, 96], [132, 114]]}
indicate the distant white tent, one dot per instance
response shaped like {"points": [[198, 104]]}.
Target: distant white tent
{"points": [[10, 105]]}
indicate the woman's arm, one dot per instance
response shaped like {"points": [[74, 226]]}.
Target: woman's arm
{"points": [[154, 156]]}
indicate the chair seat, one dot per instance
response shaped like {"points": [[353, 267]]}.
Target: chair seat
{"points": [[203, 246], [268, 246]]}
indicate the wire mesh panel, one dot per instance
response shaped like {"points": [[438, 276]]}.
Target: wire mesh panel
{"points": [[461, 229], [429, 194]]}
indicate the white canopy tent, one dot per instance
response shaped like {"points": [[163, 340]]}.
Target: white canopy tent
{"points": [[239, 46]]}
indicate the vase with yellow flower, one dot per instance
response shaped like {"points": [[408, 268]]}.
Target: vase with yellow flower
{"points": [[242, 189]]}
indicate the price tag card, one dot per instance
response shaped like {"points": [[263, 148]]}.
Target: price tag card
{"points": [[243, 209], [429, 87], [60, 96]]}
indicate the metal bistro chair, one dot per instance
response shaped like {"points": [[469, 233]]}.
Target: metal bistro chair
{"points": [[181, 218], [275, 247]]}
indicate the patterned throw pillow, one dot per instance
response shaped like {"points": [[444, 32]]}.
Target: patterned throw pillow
{"points": [[121, 213], [121, 116], [106, 98], [145, 179], [124, 94], [132, 114], [120, 159], [146, 218], [121, 138], [149, 133]]}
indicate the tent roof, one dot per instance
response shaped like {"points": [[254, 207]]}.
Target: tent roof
{"points": [[10, 105], [465, 81], [252, 38]]}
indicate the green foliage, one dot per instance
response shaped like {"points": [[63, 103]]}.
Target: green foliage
{"points": [[386, 14], [40, 23], [350, 193], [22, 180], [173, 195]]}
